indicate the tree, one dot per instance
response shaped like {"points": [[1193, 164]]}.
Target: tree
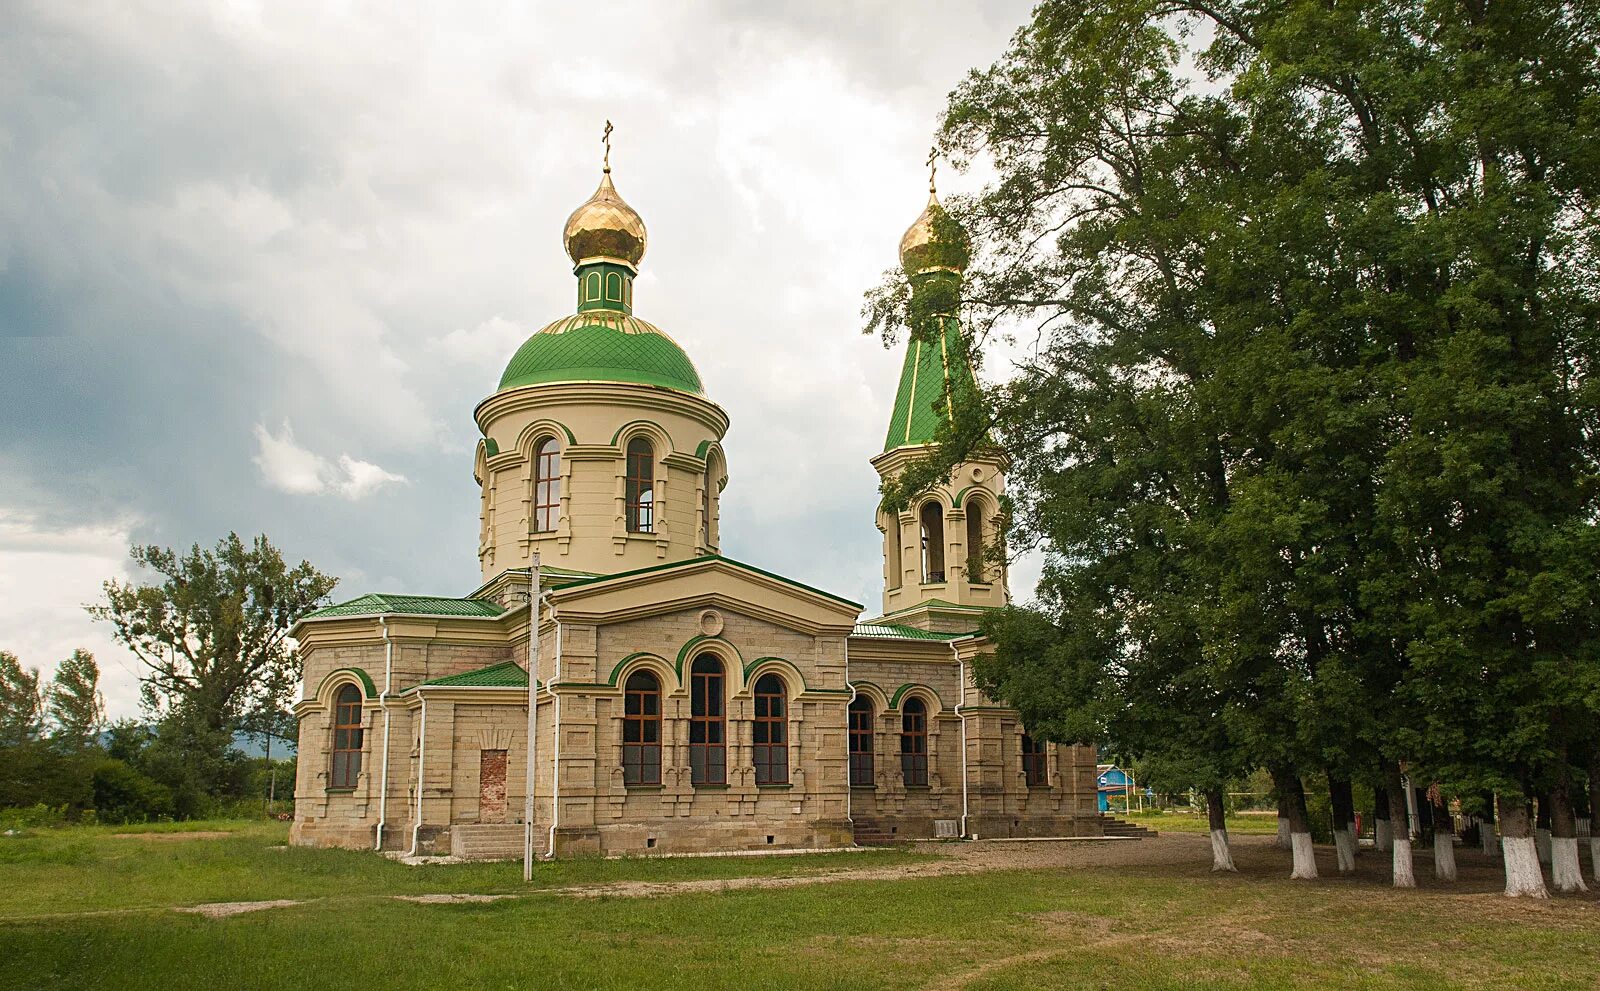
{"points": [[76, 708], [20, 705], [213, 630]]}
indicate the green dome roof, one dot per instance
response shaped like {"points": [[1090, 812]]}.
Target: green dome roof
{"points": [[602, 346]]}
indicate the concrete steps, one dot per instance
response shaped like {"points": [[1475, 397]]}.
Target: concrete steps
{"points": [[487, 841], [875, 832], [1112, 826]]}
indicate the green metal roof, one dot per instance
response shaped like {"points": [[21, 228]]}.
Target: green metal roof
{"points": [[506, 674], [892, 631], [920, 402], [602, 346], [416, 605]]}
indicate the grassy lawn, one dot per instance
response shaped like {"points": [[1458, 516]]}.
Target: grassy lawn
{"points": [[1164, 927], [1196, 822]]}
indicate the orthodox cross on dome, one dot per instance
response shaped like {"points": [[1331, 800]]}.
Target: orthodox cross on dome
{"points": [[606, 140], [933, 168]]}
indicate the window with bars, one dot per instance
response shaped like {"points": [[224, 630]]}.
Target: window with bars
{"points": [[546, 485], [708, 724], [641, 730], [771, 732], [641, 484], [977, 569], [346, 738], [1034, 769], [914, 743], [861, 746]]}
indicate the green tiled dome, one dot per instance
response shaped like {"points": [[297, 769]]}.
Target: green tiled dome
{"points": [[602, 346]]}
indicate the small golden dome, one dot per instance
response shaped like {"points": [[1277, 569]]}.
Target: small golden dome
{"points": [[919, 253], [605, 228]]}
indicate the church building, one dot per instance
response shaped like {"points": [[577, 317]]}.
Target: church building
{"points": [[683, 701]]}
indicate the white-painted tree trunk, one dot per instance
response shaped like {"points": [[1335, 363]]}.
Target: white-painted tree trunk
{"points": [[1566, 873], [1444, 856], [1344, 844], [1383, 836], [1404, 874], [1305, 859], [1541, 843], [1221, 856], [1523, 877], [1487, 835], [1283, 832], [1594, 857]]}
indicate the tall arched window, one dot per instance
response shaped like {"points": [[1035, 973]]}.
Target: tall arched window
{"points": [[914, 743], [708, 725], [641, 484], [346, 738], [861, 747], [771, 732], [932, 543], [1034, 771], [641, 730], [546, 485], [892, 537], [977, 567]]}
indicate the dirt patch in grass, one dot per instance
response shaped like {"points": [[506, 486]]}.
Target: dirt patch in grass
{"points": [[451, 899], [221, 910], [193, 834]]}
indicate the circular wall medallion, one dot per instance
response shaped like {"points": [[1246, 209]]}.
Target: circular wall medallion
{"points": [[711, 622], [977, 474]]}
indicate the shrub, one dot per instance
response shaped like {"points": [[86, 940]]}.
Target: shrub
{"points": [[122, 794]]}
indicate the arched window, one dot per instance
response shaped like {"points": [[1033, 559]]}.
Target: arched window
{"points": [[641, 730], [546, 485], [771, 732], [613, 287], [1034, 770], [861, 748], [346, 738], [892, 537], [977, 567], [708, 725], [932, 543], [592, 288], [705, 511], [914, 743], [641, 484]]}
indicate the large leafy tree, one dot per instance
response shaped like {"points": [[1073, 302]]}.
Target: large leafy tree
{"points": [[212, 630], [76, 708], [1351, 272], [20, 706]]}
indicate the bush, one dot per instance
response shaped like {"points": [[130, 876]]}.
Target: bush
{"points": [[122, 794]]}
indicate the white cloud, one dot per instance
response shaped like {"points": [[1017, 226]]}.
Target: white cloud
{"points": [[47, 576], [288, 467]]}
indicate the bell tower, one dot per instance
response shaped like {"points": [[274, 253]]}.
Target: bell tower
{"points": [[942, 560]]}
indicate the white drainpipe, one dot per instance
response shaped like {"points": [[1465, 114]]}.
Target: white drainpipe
{"points": [[961, 667], [422, 755], [388, 680], [533, 722], [555, 767], [847, 783]]}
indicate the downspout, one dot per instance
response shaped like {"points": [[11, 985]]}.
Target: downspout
{"points": [[533, 724], [961, 715], [422, 755], [388, 679], [555, 766]]}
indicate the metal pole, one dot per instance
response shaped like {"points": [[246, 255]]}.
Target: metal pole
{"points": [[533, 717]]}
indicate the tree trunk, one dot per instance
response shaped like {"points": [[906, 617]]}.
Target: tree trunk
{"points": [[272, 775], [1566, 873], [1486, 828], [1541, 829], [1594, 813], [1344, 832], [1293, 795], [1221, 856], [1404, 874], [1382, 834], [1523, 877], [1444, 838], [1283, 823]]}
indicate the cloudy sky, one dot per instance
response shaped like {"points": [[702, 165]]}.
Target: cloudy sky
{"points": [[258, 262]]}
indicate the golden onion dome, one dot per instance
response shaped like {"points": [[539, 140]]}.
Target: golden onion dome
{"points": [[605, 228], [921, 252]]}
